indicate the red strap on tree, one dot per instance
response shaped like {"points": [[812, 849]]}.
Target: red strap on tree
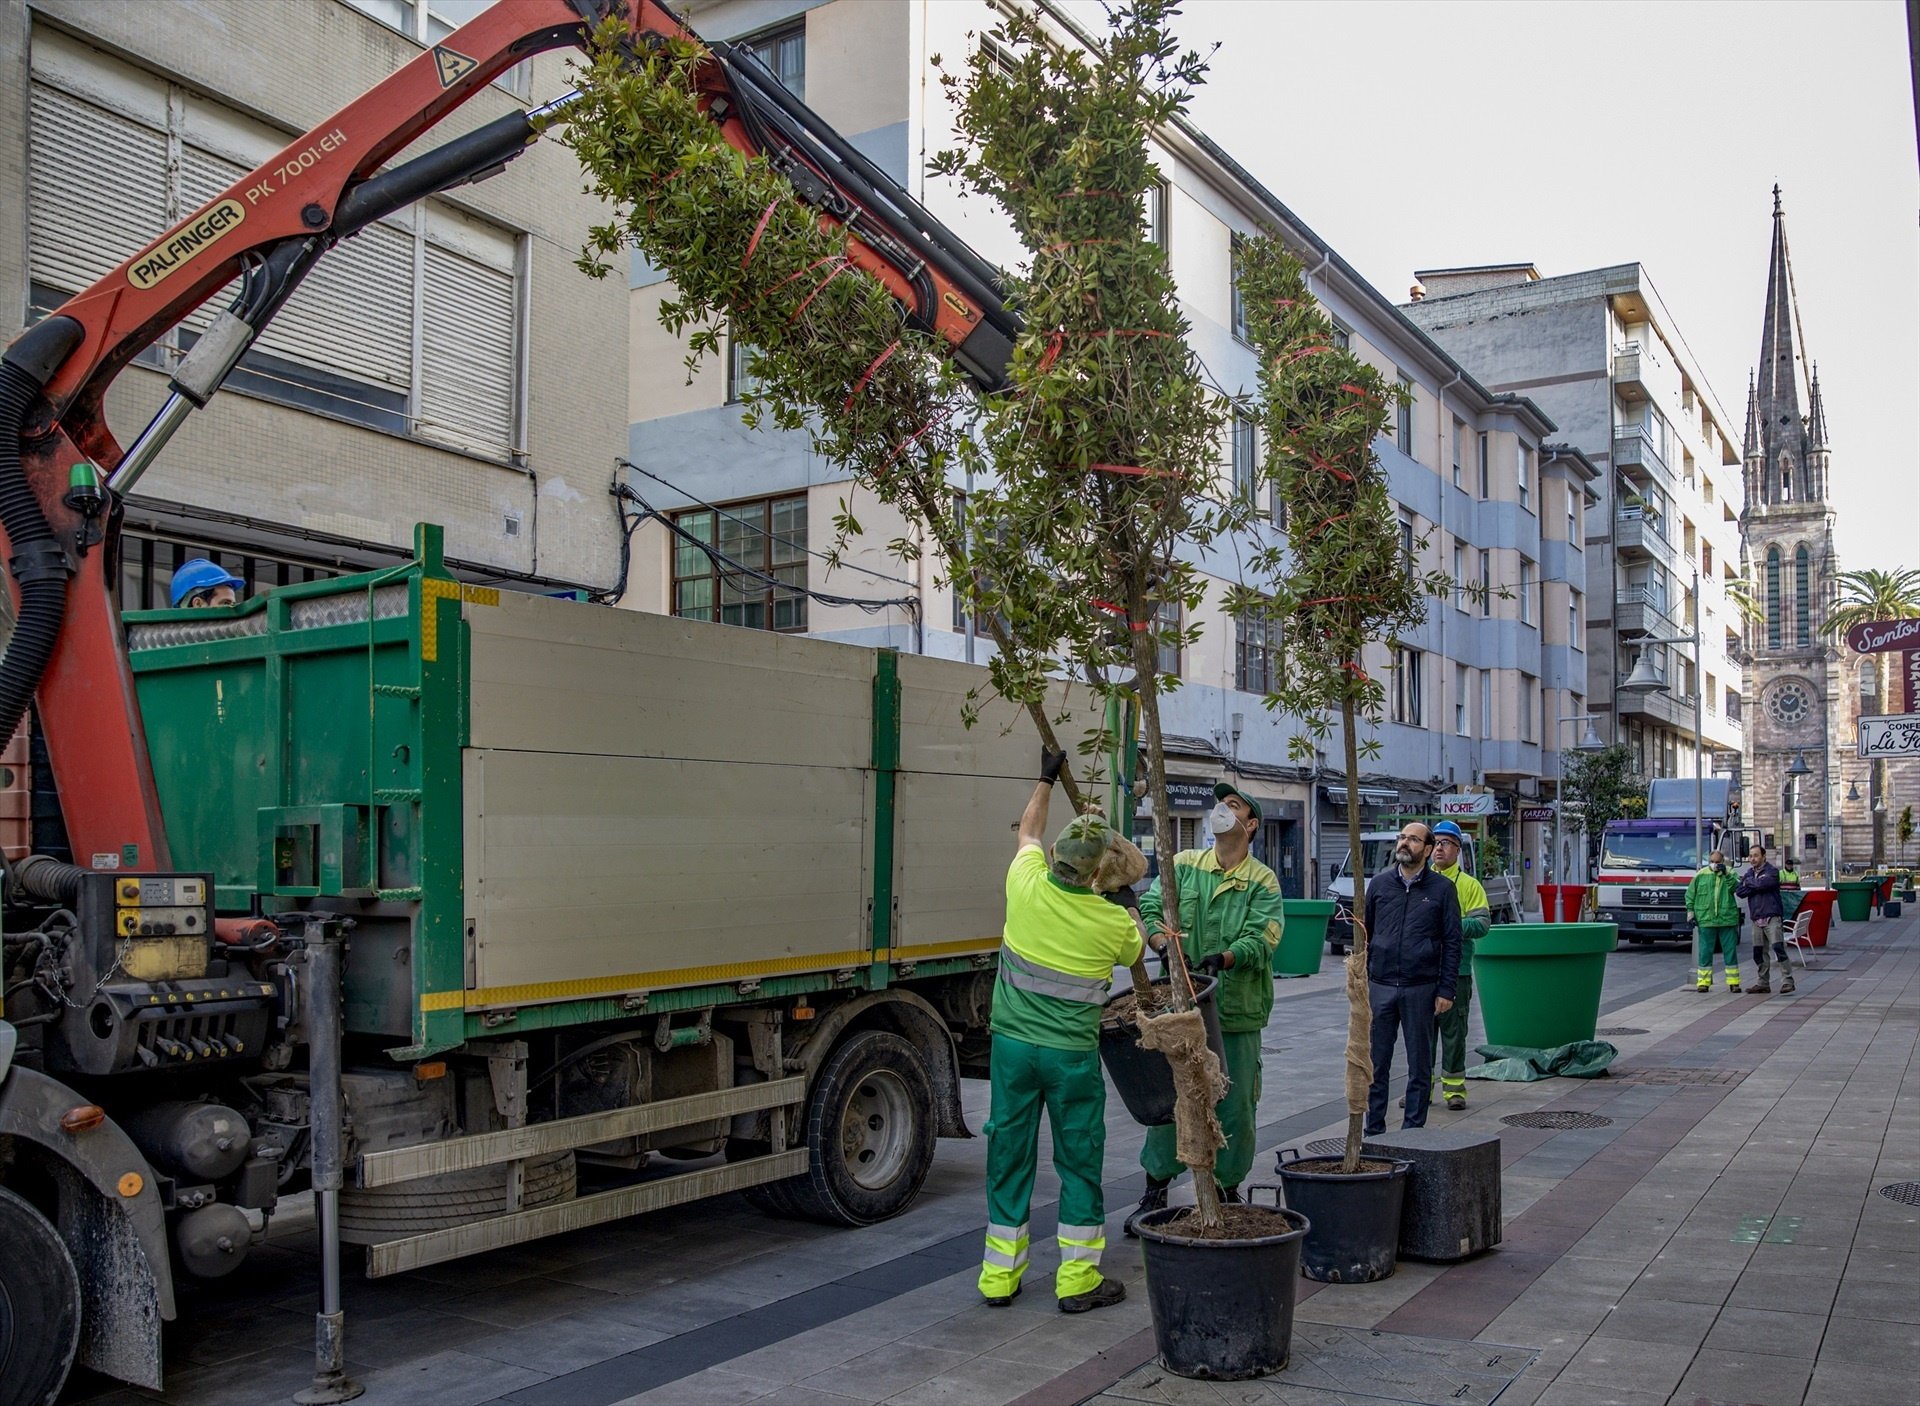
{"points": [[1131, 470], [839, 268], [867, 375], [758, 230]]}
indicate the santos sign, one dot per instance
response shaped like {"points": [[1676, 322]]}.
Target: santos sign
{"points": [[1877, 636]]}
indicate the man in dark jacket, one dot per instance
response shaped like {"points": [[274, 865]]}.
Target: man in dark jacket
{"points": [[1760, 886], [1413, 959]]}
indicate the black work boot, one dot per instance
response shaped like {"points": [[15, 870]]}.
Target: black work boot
{"points": [[1154, 1200], [1765, 988], [1108, 1293]]}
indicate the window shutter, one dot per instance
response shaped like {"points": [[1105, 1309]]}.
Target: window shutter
{"points": [[466, 352], [86, 214]]}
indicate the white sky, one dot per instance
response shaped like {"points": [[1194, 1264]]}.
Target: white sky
{"points": [[1578, 135]]}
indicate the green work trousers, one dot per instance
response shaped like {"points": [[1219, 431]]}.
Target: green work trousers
{"points": [[1068, 1084], [1450, 1029], [1727, 942], [1160, 1158]]}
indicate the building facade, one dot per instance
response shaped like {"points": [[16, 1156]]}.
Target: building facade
{"points": [[448, 364], [1486, 490], [1603, 355], [1805, 690]]}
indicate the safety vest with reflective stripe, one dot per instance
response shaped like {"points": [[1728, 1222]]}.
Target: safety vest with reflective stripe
{"points": [[1057, 958]]}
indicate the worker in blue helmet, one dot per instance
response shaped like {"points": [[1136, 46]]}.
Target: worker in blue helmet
{"points": [[1476, 916], [201, 583]]}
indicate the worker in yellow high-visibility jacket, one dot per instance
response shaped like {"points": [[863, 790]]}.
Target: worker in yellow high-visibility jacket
{"points": [[1476, 916], [1062, 942]]}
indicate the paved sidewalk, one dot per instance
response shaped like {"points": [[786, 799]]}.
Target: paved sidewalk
{"points": [[1720, 1240]]}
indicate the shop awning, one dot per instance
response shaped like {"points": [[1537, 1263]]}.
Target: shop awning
{"points": [[1369, 795]]}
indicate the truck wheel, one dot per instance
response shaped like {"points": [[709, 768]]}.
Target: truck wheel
{"points": [[39, 1306], [869, 1136]]}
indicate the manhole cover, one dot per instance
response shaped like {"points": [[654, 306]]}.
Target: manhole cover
{"points": [[1556, 1120], [1656, 1074], [1621, 1030], [1907, 1193]]}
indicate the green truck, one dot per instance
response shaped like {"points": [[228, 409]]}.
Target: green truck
{"points": [[621, 911]]}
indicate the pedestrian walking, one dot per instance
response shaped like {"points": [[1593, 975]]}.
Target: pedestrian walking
{"points": [[1413, 962], [1760, 886], [1230, 913], [1062, 941], [1714, 904], [1476, 916]]}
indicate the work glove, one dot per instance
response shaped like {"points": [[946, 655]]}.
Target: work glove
{"points": [[1051, 764], [1124, 898], [1212, 964]]}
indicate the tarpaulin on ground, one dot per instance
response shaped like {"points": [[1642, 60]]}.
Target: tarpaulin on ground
{"points": [[1515, 1064]]}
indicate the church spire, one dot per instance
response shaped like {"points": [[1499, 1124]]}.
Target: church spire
{"points": [[1817, 415], [1752, 446], [1782, 436]]}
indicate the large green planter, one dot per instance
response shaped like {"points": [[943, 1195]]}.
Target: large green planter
{"points": [[1538, 984], [1856, 898], [1303, 936]]}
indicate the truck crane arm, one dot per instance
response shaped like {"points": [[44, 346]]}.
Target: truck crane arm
{"points": [[63, 474]]}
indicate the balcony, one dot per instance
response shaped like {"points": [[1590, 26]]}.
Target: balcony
{"points": [[1638, 536], [1629, 366], [1633, 448], [1637, 611], [1670, 709]]}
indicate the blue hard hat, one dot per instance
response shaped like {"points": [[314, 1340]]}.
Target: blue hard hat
{"points": [[1447, 827], [201, 575]]}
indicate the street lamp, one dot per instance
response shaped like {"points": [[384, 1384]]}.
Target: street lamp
{"points": [[1794, 773], [1643, 679], [1590, 742]]}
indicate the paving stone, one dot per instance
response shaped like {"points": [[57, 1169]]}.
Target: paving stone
{"points": [[534, 1302], [1876, 1343], [1788, 1293], [983, 1381], [565, 1344], [1884, 1302], [714, 1387], [1768, 1331], [1845, 1384], [443, 1379], [1752, 1379], [1617, 1364], [887, 1371], [1659, 1321]]}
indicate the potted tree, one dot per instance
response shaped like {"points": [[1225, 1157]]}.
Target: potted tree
{"points": [[1345, 588]]}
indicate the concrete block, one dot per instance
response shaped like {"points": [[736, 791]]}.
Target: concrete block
{"points": [[1453, 1197]]}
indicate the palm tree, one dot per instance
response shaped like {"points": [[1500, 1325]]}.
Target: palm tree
{"points": [[1877, 595]]}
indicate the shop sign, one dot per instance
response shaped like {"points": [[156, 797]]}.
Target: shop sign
{"points": [[1189, 793], [1896, 735], [1536, 813], [1910, 674], [1467, 803], [1878, 636]]}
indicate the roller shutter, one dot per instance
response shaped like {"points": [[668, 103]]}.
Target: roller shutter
{"points": [[86, 215], [466, 351]]}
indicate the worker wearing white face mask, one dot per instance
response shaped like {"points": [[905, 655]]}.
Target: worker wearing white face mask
{"points": [[1230, 920]]}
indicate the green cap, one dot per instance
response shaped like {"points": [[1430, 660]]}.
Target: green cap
{"points": [[1222, 790]]}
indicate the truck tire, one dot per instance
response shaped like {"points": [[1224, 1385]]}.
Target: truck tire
{"points": [[370, 1215], [869, 1136], [39, 1306]]}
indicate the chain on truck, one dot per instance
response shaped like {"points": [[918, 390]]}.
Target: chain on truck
{"points": [[435, 899]]}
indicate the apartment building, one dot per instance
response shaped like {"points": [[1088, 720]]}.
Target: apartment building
{"points": [[447, 365], [1486, 491], [1603, 355]]}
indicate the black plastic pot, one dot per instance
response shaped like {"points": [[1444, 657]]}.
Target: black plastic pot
{"points": [[1223, 1309], [1142, 1076], [1356, 1219]]}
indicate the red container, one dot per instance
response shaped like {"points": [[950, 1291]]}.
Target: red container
{"points": [[1561, 903], [1819, 902]]}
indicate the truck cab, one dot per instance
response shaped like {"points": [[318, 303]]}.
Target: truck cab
{"points": [[1646, 864], [1376, 853]]}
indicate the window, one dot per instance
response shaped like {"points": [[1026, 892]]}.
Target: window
{"points": [[1342, 334], [1459, 574], [411, 327], [1706, 559], [1773, 598], [1462, 700], [1486, 703], [1403, 416], [1486, 581], [1156, 202], [747, 565], [1526, 591], [1459, 435], [784, 52], [1238, 310], [1802, 603], [1407, 543], [1484, 485], [1256, 650], [1712, 697], [741, 382], [1573, 516], [1576, 633], [1406, 686], [1166, 617], [1529, 706], [1523, 472], [1246, 456], [433, 21]]}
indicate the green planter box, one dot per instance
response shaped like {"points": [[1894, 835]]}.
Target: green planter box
{"points": [[1303, 936], [1856, 898], [1538, 984]]}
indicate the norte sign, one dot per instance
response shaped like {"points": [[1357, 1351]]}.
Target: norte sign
{"points": [[1890, 736], [1467, 803], [1877, 636]]}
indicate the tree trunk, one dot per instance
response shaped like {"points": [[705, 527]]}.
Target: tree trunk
{"points": [[1359, 1009]]}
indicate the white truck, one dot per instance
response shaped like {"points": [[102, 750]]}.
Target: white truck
{"points": [[1376, 852]]}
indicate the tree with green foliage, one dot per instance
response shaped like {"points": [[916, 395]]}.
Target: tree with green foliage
{"points": [[1598, 787], [1903, 832], [1867, 596], [1341, 582]]}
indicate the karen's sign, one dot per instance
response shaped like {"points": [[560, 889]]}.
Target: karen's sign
{"points": [[1878, 636]]}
